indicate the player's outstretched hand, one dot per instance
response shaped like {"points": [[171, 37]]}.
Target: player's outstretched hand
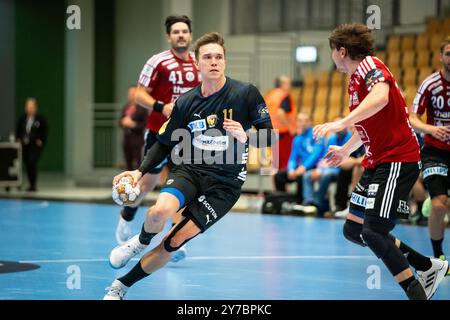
{"points": [[136, 175], [235, 129], [441, 133], [167, 109], [335, 156], [321, 130]]}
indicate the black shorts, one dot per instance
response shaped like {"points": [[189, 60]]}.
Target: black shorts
{"points": [[383, 191], [150, 139], [435, 170], [206, 199]]}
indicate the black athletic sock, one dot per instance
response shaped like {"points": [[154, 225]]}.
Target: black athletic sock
{"points": [[145, 237], [405, 283], [418, 261], [134, 275], [128, 213], [419, 206], [437, 247]]}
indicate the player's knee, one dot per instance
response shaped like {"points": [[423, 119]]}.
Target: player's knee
{"points": [[375, 240], [352, 232], [158, 213]]}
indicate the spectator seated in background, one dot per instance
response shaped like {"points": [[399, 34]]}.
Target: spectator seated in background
{"points": [[349, 174], [305, 154], [316, 181]]}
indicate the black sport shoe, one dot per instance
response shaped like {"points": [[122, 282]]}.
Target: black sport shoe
{"points": [[415, 291]]}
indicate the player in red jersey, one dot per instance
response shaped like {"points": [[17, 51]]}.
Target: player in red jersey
{"points": [[165, 77], [380, 117], [433, 97]]}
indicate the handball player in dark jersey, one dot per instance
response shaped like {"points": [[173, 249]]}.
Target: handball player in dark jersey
{"points": [[209, 127]]}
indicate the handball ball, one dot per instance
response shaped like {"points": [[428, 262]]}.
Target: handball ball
{"points": [[426, 207], [123, 193]]}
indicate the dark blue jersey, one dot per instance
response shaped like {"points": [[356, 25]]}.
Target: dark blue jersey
{"points": [[196, 127]]}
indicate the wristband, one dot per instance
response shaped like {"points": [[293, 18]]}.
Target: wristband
{"points": [[158, 106]]}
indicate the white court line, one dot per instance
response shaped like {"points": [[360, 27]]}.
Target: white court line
{"points": [[218, 258]]}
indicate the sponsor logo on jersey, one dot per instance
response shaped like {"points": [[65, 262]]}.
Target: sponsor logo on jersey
{"points": [[212, 120], [190, 76], [372, 191], [362, 133], [180, 90], [210, 143], [199, 115], [242, 175], [373, 76], [244, 157], [359, 200], [262, 109], [370, 204], [403, 207], [443, 116], [202, 200], [355, 99], [439, 171], [197, 125]]}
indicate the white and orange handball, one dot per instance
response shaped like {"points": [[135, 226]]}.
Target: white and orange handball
{"points": [[123, 193]]}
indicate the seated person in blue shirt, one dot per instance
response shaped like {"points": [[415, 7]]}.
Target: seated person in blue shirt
{"points": [[323, 175], [305, 154]]}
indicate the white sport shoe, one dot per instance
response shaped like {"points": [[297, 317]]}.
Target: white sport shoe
{"points": [[116, 292], [306, 209], [341, 214], [180, 254], [431, 278], [123, 231], [121, 254]]}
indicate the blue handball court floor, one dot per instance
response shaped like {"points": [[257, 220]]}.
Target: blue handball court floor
{"points": [[59, 250]]}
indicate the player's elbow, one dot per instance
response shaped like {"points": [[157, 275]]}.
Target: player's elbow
{"points": [[383, 100]]}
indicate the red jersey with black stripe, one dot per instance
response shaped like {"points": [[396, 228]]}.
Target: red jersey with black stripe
{"points": [[387, 135], [433, 97], [167, 77]]}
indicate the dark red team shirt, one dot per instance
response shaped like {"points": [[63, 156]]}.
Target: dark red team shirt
{"points": [[168, 77], [387, 135], [433, 97]]}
